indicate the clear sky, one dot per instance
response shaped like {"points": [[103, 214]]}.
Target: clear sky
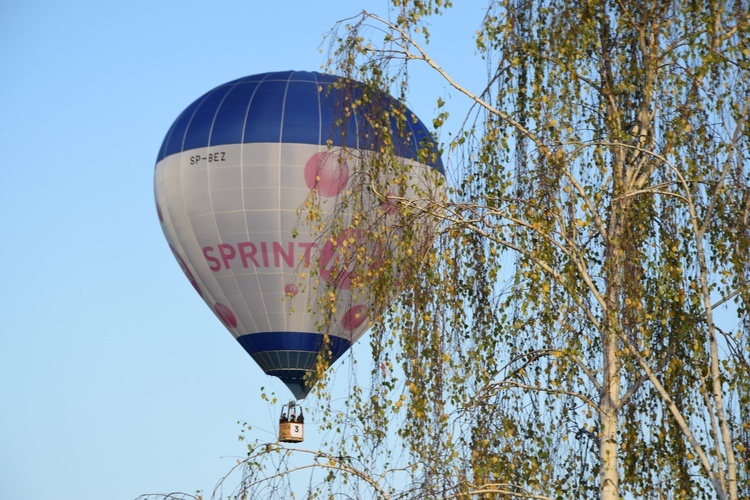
{"points": [[115, 378]]}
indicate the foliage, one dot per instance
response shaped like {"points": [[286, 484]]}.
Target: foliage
{"points": [[568, 335]]}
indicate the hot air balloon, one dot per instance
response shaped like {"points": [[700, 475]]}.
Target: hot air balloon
{"points": [[231, 176]]}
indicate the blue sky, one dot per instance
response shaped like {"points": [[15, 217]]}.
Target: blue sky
{"points": [[115, 378]]}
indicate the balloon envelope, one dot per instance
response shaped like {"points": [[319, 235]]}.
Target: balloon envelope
{"points": [[230, 178]]}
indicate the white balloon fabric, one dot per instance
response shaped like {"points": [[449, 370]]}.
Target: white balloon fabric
{"points": [[231, 175]]}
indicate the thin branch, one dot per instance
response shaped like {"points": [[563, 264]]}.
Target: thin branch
{"points": [[499, 489], [497, 386], [334, 463]]}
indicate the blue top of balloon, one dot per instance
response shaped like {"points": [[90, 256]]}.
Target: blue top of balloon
{"points": [[281, 106]]}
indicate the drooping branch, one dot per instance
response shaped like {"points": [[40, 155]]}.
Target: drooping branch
{"points": [[407, 42], [679, 418]]}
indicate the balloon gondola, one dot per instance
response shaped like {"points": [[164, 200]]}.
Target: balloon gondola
{"points": [[292, 423], [231, 175]]}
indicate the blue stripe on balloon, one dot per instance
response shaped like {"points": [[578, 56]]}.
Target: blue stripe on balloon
{"points": [[287, 107], [255, 343]]}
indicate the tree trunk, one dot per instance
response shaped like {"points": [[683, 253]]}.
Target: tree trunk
{"points": [[608, 416], [610, 390]]}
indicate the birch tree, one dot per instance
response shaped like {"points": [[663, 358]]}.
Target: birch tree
{"points": [[583, 324]]}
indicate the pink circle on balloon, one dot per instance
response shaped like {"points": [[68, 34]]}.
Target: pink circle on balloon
{"points": [[326, 173], [186, 270], [225, 315], [291, 289], [354, 317]]}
